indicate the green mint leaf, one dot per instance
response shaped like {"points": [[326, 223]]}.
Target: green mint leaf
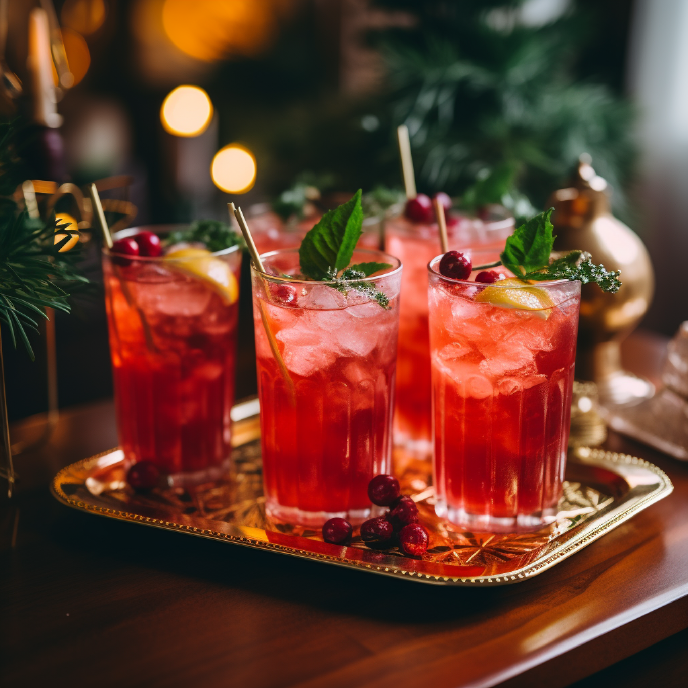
{"points": [[367, 269], [529, 247], [328, 247], [569, 268]]}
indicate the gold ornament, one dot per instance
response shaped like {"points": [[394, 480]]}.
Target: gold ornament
{"points": [[583, 220]]}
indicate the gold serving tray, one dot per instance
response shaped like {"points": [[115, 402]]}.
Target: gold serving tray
{"points": [[602, 490]]}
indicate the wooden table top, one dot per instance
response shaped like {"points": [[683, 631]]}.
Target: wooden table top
{"points": [[87, 601]]}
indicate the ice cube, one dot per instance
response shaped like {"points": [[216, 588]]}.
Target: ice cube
{"points": [[179, 297], [508, 357], [306, 350], [322, 297]]}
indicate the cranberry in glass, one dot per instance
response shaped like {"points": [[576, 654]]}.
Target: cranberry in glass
{"points": [[444, 199], [285, 294], [384, 490], [419, 209], [413, 540], [404, 512], [455, 265], [488, 277], [124, 247], [337, 531], [149, 244], [143, 476], [377, 532]]}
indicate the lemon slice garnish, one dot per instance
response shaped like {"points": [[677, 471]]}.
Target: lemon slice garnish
{"points": [[533, 299], [199, 262], [60, 234]]}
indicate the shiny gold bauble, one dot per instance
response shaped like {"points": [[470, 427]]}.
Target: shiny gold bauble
{"points": [[583, 220]]}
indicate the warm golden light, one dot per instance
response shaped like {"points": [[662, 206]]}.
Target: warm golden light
{"points": [[233, 169], [84, 16], [186, 111], [66, 219], [211, 30], [78, 55]]}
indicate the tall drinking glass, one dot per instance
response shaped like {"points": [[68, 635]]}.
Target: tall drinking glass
{"points": [[415, 244], [326, 364], [502, 375], [172, 326]]}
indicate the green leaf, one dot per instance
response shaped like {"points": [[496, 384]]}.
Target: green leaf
{"points": [[328, 247], [569, 268], [529, 247], [367, 269]]}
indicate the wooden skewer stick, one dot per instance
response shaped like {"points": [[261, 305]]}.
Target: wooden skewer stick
{"points": [[98, 207], [248, 238], [442, 224], [258, 264], [406, 161]]}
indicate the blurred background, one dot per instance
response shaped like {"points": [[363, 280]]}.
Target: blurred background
{"points": [[501, 99]]}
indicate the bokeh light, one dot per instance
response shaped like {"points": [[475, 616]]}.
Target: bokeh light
{"points": [[84, 16], [78, 55], [211, 30], [186, 111], [66, 219], [233, 169]]}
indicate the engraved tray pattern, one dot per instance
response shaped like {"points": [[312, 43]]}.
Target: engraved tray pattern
{"points": [[603, 489]]}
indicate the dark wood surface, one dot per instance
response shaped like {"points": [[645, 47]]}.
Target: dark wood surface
{"points": [[85, 601]]}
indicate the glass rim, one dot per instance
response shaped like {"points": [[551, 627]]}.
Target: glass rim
{"points": [[396, 211], [292, 280], [132, 231], [545, 284]]}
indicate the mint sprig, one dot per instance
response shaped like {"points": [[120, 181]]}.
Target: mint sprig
{"points": [[527, 254], [327, 249]]}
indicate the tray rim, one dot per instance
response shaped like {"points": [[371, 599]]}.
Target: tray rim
{"points": [[250, 537]]}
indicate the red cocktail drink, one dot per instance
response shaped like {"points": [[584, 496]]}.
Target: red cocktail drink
{"points": [[415, 245], [172, 324], [326, 362], [502, 374]]}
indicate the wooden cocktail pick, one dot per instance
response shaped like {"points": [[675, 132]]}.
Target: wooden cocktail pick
{"points": [[98, 208], [442, 224], [406, 161], [250, 244], [258, 263]]}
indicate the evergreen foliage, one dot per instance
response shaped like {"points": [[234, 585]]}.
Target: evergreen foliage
{"points": [[33, 274]]}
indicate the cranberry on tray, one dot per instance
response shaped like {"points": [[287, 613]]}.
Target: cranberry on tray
{"points": [[384, 490], [404, 513], [413, 540], [377, 533], [143, 476], [337, 531]]}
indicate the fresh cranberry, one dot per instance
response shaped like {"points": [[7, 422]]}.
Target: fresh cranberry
{"points": [[444, 199], [413, 540], [455, 265], [143, 476], [337, 531], [377, 532], [286, 294], [384, 490], [419, 209], [404, 512], [124, 247], [452, 220], [149, 244], [488, 277]]}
